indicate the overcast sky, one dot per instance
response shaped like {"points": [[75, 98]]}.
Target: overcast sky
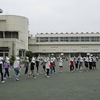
{"points": [[56, 15]]}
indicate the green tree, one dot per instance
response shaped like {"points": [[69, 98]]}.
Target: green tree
{"points": [[12, 59], [29, 54]]}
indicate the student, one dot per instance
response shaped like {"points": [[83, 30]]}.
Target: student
{"points": [[32, 68], [44, 65], [71, 64], [81, 63], [47, 67], [51, 66], [60, 65], [76, 63], [1, 72], [53, 59], [6, 67], [17, 68], [94, 62], [26, 65], [86, 63], [37, 65], [90, 62]]}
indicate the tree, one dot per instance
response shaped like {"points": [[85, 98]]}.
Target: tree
{"points": [[12, 59], [29, 54]]}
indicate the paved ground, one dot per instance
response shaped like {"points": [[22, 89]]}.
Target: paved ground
{"points": [[60, 86]]}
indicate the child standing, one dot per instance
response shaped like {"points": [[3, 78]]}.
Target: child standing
{"points": [[60, 65]]}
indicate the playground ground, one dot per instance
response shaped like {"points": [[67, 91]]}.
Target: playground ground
{"points": [[59, 86]]}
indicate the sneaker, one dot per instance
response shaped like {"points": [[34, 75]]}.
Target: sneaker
{"points": [[48, 76], [34, 76], [17, 79], [2, 81]]}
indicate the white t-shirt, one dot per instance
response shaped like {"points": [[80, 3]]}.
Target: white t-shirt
{"points": [[86, 59], [61, 63], [16, 64], [90, 59], [47, 63]]}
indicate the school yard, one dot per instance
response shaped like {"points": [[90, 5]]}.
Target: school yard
{"points": [[60, 86]]}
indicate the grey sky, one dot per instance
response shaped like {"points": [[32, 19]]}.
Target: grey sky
{"points": [[56, 15]]}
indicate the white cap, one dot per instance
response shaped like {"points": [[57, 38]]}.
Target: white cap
{"points": [[91, 55], [27, 57], [17, 58], [7, 58]]}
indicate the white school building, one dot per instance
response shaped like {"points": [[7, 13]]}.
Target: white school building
{"points": [[13, 35], [15, 40], [70, 44]]}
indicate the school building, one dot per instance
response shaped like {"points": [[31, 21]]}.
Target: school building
{"points": [[70, 44], [15, 40], [13, 35]]}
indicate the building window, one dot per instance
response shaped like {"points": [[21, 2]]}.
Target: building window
{"points": [[11, 34], [64, 39], [53, 39], [68, 39], [37, 39], [7, 35], [72, 39], [43, 39], [1, 34], [84, 39], [1, 54], [6, 55], [97, 39], [14, 35], [77, 39]]}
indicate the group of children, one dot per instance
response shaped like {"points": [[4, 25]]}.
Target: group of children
{"points": [[48, 65], [83, 63]]}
